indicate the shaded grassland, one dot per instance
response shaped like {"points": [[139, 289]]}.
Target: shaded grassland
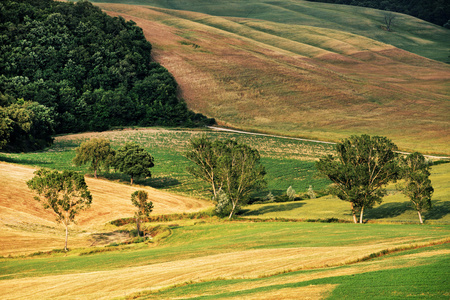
{"points": [[304, 69], [244, 255]]}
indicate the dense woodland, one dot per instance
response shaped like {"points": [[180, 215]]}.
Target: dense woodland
{"points": [[86, 70], [434, 11]]}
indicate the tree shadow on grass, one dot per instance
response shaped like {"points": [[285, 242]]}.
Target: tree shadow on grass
{"points": [[387, 210], [159, 182], [438, 210], [271, 208], [23, 161], [154, 182]]}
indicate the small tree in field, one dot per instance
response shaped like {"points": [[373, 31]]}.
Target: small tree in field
{"points": [[418, 189], [65, 193], [139, 199], [361, 169], [133, 160], [97, 152]]}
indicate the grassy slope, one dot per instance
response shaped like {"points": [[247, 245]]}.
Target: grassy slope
{"points": [[304, 69]]}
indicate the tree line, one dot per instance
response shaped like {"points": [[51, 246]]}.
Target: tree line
{"points": [[90, 70], [360, 171], [433, 11]]}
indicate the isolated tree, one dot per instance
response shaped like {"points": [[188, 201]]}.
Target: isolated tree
{"points": [[139, 199], [361, 169], [97, 152], [241, 173], [229, 167], [418, 188], [204, 154], [65, 193], [133, 160], [389, 20]]}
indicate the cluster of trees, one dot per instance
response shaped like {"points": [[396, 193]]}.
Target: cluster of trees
{"points": [[90, 70], [24, 125], [434, 11], [364, 165], [233, 170], [131, 159]]}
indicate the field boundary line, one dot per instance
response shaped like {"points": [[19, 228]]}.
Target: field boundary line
{"points": [[302, 139]]}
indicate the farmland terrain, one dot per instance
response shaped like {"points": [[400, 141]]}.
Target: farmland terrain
{"points": [[304, 69], [211, 256], [291, 68]]}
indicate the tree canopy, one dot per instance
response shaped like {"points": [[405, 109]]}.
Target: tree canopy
{"points": [[139, 199], [25, 125], [133, 160], [232, 169], [417, 187], [434, 11], [361, 169], [65, 193], [93, 70], [97, 152]]}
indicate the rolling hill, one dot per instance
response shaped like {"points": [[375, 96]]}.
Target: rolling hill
{"points": [[304, 69]]}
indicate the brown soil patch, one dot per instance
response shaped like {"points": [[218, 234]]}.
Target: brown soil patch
{"points": [[27, 227]]}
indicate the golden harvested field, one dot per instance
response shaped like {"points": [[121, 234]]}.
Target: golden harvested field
{"points": [[242, 264], [26, 227], [299, 80]]}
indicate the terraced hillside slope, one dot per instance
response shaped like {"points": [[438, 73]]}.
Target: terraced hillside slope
{"points": [[304, 69]]}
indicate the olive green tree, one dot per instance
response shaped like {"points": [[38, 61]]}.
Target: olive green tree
{"points": [[139, 199], [232, 169], [417, 187], [133, 160], [97, 152], [361, 169], [65, 193]]}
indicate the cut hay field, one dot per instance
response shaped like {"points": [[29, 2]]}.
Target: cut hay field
{"points": [[216, 259], [26, 227], [303, 69]]}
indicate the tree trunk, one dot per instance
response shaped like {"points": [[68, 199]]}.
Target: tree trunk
{"points": [[131, 180], [361, 215], [420, 217], [232, 211], [67, 236], [138, 226], [95, 173], [354, 214]]}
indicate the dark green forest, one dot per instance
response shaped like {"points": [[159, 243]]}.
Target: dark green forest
{"points": [[87, 71], [433, 11]]}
